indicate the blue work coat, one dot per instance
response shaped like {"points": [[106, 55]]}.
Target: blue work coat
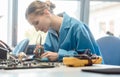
{"points": [[74, 37]]}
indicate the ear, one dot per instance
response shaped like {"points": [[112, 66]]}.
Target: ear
{"points": [[46, 12]]}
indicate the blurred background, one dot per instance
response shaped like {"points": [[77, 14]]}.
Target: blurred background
{"points": [[102, 17]]}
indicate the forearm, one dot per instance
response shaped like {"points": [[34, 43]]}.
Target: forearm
{"points": [[62, 53]]}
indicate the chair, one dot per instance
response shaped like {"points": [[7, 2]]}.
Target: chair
{"points": [[21, 47], [30, 49], [110, 49]]}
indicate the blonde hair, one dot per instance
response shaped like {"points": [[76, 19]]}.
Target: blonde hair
{"points": [[37, 8]]}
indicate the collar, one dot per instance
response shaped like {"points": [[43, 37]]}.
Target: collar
{"points": [[52, 31], [66, 21]]}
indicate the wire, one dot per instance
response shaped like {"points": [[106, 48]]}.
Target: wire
{"points": [[40, 39]]}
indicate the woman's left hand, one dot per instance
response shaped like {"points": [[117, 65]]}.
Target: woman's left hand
{"points": [[52, 56]]}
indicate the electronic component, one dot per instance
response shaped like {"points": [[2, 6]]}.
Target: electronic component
{"points": [[81, 61]]}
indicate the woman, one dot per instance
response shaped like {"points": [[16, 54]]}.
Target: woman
{"points": [[66, 35]]}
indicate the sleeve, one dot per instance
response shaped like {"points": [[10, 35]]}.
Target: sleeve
{"points": [[95, 45], [83, 40], [62, 53]]}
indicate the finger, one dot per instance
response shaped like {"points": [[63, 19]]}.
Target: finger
{"points": [[45, 54]]}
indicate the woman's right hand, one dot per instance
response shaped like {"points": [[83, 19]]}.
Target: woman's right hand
{"points": [[39, 50]]}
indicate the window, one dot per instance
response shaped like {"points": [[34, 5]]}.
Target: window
{"points": [[72, 7], [3, 19], [104, 18]]}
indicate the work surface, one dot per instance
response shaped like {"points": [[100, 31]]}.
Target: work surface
{"points": [[60, 71]]}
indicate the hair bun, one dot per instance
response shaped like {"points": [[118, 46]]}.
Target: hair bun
{"points": [[50, 4]]}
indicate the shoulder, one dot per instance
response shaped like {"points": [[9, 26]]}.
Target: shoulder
{"points": [[76, 24]]}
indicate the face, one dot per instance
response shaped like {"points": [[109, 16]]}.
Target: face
{"points": [[40, 22]]}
